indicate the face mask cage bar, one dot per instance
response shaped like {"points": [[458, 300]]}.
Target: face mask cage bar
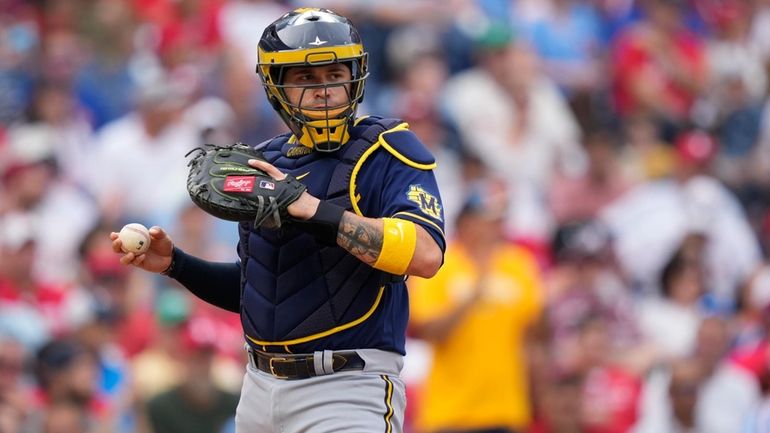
{"points": [[326, 125], [349, 87]]}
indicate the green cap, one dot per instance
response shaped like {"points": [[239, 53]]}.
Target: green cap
{"points": [[172, 307], [494, 35]]}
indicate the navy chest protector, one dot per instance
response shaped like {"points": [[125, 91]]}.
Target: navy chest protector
{"points": [[296, 290]]}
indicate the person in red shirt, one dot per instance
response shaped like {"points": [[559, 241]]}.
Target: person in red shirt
{"points": [[659, 67], [30, 310]]}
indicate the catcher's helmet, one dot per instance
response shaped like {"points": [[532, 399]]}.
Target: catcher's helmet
{"points": [[312, 37]]}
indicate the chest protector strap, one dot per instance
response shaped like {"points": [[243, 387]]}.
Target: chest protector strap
{"points": [[367, 133]]}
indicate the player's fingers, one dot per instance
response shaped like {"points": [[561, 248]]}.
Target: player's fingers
{"points": [[127, 259], [113, 236], [116, 246], [157, 233], [139, 259], [267, 168]]}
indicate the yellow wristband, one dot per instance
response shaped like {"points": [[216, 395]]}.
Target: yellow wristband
{"points": [[399, 239]]}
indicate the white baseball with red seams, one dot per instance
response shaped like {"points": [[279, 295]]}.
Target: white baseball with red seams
{"points": [[135, 238]]}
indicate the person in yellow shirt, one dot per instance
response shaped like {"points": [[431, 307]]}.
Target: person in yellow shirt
{"points": [[475, 314]]}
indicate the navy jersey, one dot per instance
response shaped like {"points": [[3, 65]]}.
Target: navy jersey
{"points": [[300, 296]]}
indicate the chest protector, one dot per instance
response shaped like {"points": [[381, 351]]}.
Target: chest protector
{"points": [[295, 289]]}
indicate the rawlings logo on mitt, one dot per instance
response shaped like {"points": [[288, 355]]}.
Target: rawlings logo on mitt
{"points": [[222, 183]]}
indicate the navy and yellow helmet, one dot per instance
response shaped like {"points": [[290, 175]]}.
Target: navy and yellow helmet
{"points": [[312, 37]]}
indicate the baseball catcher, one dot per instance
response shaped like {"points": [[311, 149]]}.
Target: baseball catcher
{"points": [[333, 215]]}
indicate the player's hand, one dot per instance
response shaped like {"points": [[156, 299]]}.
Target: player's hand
{"points": [[157, 258], [305, 206]]}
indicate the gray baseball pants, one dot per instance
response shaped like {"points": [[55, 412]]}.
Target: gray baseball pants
{"points": [[369, 401]]}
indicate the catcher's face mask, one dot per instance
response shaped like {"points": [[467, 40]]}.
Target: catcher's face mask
{"points": [[309, 38]]}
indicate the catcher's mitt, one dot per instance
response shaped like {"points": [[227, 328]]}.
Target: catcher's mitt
{"points": [[222, 183]]}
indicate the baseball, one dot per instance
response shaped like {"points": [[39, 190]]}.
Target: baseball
{"points": [[135, 238]]}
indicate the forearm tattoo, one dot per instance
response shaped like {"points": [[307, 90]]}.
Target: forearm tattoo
{"points": [[361, 237]]}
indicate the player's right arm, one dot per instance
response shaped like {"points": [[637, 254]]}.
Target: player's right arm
{"points": [[216, 283]]}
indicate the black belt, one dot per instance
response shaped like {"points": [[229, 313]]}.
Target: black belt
{"points": [[292, 367]]}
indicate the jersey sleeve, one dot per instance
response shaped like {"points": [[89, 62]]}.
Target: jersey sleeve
{"points": [[396, 180], [413, 194]]}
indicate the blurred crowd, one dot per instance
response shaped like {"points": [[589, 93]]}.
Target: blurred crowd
{"points": [[604, 168]]}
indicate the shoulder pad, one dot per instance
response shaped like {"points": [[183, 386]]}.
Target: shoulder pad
{"points": [[369, 120], [271, 143], [366, 120], [369, 128], [271, 149], [406, 147]]}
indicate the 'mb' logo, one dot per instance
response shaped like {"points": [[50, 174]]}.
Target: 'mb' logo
{"points": [[427, 202]]}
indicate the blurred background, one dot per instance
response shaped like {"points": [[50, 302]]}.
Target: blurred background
{"points": [[605, 173]]}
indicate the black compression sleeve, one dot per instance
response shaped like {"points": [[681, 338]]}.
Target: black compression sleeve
{"points": [[218, 284], [325, 224]]}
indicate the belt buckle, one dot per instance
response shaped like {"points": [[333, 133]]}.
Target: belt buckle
{"points": [[272, 367]]}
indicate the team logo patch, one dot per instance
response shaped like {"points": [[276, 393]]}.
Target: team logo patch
{"points": [[427, 202], [266, 184], [239, 184]]}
